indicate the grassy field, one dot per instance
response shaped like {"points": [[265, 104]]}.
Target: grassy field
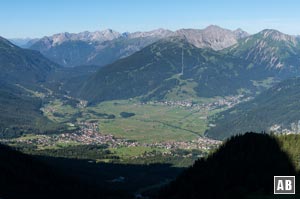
{"points": [[151, 123], [59, 112], [136, 151]]}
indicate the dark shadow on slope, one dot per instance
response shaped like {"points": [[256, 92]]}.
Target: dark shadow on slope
{"points": [[25, 176], [245, 165]]}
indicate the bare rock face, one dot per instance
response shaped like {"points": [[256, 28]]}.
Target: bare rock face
{"points": [[213, 37], [160, 33], [278, 36], [100, 36]]}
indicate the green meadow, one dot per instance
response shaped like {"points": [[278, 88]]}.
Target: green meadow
{"points": [[150, 123]]}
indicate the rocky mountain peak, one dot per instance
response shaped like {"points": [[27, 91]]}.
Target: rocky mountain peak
{"points": [[240, 33], [212, 36], [213, 28], [60, 38], [277, 36], [104, 35]]}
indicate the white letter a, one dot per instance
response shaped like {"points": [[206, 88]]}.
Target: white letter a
{"points": [[280, 185]]}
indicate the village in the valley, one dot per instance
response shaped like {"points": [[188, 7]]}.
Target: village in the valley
{"points": [[88, 134], [226, 102]]}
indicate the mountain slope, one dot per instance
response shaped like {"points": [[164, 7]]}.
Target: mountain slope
{"points": [[273, 110], [271, 49], [20, 113], [20, 110], [243, 166], [155, 73], [110, 51], [69, 53], [18, 65]]}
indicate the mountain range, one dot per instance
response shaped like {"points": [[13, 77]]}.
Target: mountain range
{"points": [[174, 68], [105, 47], [23, 42]]}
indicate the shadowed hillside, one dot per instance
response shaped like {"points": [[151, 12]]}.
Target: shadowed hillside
{"points": [[24, 176], [243, 166], [21, 114]]}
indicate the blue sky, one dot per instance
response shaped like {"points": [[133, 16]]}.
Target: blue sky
{"points": [[37, 18]]}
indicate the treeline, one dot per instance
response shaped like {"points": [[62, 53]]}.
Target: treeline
{"points": [[178, 157], [92, 152]]}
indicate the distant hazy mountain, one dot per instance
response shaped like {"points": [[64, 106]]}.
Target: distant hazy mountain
{"points": [[23, 43], [18, 65], [57, 39], [105, 47], [277, 107], [239, 33], [99, 48], [269, 48], [19, 41]]}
